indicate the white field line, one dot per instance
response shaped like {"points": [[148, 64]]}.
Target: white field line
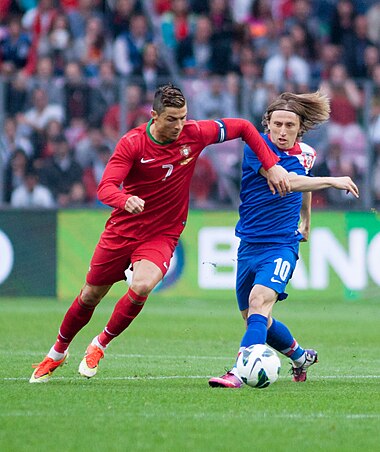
{"points": [[260, 415]]}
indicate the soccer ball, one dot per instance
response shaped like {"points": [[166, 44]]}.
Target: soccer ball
{"points": [[258, 366]]}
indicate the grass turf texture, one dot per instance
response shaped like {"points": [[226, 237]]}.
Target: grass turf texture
{"points": [[151, 392]]}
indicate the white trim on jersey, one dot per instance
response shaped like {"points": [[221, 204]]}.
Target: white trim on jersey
{"points": [[222, 131]]}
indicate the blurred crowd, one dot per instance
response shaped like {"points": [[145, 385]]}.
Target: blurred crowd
{"points": [[77, 74]]}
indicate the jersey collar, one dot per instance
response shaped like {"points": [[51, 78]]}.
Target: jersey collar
{"points": [[161, 143]]}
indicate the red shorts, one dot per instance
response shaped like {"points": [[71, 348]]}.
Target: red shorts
{"points": [[114, 254]]}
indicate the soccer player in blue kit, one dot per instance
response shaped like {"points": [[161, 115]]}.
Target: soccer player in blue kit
{"points": [[270, 231]]}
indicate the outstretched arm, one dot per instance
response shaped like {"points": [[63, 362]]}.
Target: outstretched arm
{"points": [[304, 183]]}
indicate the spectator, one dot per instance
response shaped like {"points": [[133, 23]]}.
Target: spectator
{"points": [[371, 60], [373, 16], [129, 46], [119, 15], [304, 16], [152, 72], [343, 129], [329, 56], [94, 47], [194, 54], [62, 174], [80, 15], [285, 70], [77, 92], [15, 172], [34, 121], [354, 51], [215, 101], [304, 44], [31, 194], [177, 24], [104, 93], [135, 105], [85, 149], [200, 54], [16, 94], [342, 23], [52, 130], [60, 42], [14, 48], [45, 79], [93, 174], [11, 140], [38, 22]]}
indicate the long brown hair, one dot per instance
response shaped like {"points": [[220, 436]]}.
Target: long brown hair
{"points": [[311, 108]]}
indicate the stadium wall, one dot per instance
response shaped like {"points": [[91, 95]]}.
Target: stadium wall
{"points": [[47, 254]]}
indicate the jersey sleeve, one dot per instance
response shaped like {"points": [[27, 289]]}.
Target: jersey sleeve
{"points": [[227, 129], [116, 171], [251, 159]]}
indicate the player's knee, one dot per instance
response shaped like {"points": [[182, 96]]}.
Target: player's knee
{"points": [[142, 287], [90, 297]]}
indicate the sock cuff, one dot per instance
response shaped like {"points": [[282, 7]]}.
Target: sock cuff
{"points": [[134, 298], [257, 318]]}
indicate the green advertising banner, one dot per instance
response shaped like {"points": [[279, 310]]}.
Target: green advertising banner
{"points": [[341, 258], [28, 253]]}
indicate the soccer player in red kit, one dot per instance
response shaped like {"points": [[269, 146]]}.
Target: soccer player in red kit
{"points": [[154, 164]]}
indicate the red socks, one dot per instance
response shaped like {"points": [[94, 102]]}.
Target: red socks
{"points": [[77, 316], [126, 309]]}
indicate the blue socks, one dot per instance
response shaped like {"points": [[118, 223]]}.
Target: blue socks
{"points": [[256, 330], [280, 338]]}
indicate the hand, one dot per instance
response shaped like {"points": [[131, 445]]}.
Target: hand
{"points": [[346, 183], [305, 231], [278, 180], [134, 204]]}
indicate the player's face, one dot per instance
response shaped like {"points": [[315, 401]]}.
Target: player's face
{"points": [[169, 124], [283, 128]]}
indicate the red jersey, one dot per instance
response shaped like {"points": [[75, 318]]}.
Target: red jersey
{"points": [[160, 174]]}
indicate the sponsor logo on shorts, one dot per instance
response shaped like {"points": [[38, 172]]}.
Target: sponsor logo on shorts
{"points": [[275, 280]]}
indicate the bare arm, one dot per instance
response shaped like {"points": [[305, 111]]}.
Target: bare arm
{"points": [[305, 183], [305, 224]]}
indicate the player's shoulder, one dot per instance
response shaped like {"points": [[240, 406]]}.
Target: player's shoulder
{"points": [[134, 136], [307, 149]]}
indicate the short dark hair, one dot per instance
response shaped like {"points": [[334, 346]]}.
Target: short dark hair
{"points": [[168, 96]]}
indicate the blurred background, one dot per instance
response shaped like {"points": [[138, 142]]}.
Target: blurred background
{"points": [[77, 74]]}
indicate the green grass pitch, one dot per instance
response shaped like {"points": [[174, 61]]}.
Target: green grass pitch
{"points": [[151, 392]]}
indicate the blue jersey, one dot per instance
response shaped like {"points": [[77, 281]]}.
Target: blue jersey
{"points": [[268, 218]]}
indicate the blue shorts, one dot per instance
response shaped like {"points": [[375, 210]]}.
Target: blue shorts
{"points": [[269, 265]]}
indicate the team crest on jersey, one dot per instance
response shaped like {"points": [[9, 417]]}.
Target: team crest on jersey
{"points": [[185, 152], [307, 156]]}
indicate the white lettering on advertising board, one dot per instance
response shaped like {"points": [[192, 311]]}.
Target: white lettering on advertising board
{"points": [[353, 264]]}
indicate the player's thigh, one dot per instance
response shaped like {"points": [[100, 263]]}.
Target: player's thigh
{"points": [[158, 251], [110, 260], [146, 275], [261, 300]]}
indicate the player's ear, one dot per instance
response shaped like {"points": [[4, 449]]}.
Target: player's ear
{"points": [[154, 114]]}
